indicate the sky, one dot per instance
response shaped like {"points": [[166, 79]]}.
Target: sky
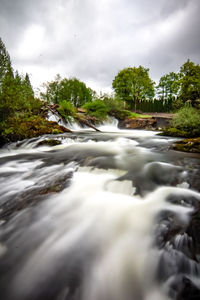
{"points": [[93, 40]]}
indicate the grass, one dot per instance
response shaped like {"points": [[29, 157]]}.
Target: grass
{"points": [[135, 115]]}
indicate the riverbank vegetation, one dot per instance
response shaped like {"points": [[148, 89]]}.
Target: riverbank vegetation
{"points": [[22, 115], [186, 123]]}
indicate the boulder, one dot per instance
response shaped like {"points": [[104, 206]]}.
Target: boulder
{"points": [[139, 123]]}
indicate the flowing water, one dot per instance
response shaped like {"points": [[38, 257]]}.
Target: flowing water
{"points": [[103, 216]]}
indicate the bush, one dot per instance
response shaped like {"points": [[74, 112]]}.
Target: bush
{"points": [[114, 104], [187, 119], [122, 114], [177, 104], [66, 109], [97, 109], [176, 133]]}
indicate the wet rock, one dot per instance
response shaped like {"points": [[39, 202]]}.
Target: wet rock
{"points": [[188, 145], [189, 291], [139, 123], [49, 142], [33, 195]]}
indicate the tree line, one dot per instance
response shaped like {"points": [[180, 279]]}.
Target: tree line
{"points": [[137, 89], [16, 92], [133, 90], [21, 113]]}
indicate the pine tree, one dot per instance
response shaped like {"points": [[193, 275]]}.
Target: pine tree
{"points": [[7, 95], [28, 87], [5, 62]]}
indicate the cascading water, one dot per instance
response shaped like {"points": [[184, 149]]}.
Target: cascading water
{"points": [[111, 125], [103, 216]]}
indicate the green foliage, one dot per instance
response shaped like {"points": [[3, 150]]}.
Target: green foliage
{"points": [[5, 63], [113, 103], [177, 104], [182, 86], [171, 131], [72, 90], [187, 119], [7, 94], [18, 105], [51, 94], [23, 127], [190, 81], [133, 85], [188, 145], [122, 114], [16, 96], [135, 115], [97, 109], [168, 86], [66, 109]]}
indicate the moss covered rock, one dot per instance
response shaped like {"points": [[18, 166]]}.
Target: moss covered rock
{"points": [[175, 132], [188, 145], [18, 128], [49, 142]]}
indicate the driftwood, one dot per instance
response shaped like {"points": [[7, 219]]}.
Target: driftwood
{"points": [[54, 111], [90, 125]]}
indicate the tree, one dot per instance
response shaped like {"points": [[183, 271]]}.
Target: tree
{"points": [[51, 94], [5, 63], [190, 82], [133, 85], [28, 87], [7, 95], [168, 86], [75, 91], [72, 90]]}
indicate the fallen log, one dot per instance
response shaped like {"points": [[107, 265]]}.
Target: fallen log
{"points": [[90, 125]]}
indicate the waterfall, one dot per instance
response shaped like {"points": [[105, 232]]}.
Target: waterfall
{"points": [[110, 125], [55, 117], [101, 216]]}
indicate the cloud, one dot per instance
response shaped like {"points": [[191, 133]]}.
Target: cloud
{"points": [[93, 40]]}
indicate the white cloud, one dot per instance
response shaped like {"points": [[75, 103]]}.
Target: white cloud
{"points": [[32, 42], [93, 40]]}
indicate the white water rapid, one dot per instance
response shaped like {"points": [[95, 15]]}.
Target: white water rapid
{"points": [[102, 216]]}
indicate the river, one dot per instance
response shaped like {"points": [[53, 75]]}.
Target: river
{"points": [[111, 215]]}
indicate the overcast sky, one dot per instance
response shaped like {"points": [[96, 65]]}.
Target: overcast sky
{"points": [[94, 39]]}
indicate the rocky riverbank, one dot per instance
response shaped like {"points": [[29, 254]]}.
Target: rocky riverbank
{"points": [[24, 128], [154, 121]]}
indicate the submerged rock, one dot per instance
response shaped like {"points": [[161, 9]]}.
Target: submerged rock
{"points": [[49, 142]]}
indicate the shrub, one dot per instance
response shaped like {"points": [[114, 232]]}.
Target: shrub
{"points": [[187, 118], [97, 109], [177, 104], [114, 104], [66, 109]]}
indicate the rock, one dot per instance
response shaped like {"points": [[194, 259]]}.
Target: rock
{"points": [[81, 110], [49, 142], [139, 123], [187, 145]]}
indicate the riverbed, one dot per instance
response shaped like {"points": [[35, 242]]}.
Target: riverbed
{"points": [[107, 215]]}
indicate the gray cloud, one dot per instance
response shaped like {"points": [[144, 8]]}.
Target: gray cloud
{"points": [[93, 40]]}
